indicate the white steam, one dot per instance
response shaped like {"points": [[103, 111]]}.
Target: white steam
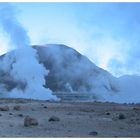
{"points": [[22, 65]]}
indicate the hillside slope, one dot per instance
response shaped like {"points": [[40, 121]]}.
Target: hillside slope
{"points": [[72, 75], [72, 72]]}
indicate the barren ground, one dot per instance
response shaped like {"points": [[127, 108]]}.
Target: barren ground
{"points": [[76, 119]]}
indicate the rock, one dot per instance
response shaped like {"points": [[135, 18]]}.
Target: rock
{"points": [[11, 125], [54, 118], [10, 113], [132, 120], [43, 106], [93, 133], [136, 108], [28, 121], [17, 107], [121, 116], [20, 115], [107, 113], [4, 108], [121, 128]]}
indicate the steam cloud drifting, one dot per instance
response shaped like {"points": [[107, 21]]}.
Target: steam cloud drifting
{"points": [[23, 66]]}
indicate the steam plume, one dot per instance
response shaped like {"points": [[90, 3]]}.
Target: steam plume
{"points": [[23, 65]]}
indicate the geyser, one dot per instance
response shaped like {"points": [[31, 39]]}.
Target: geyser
{"points": [[22, 65]]}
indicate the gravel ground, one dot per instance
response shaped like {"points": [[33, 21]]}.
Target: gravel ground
{"points": [[68, 119]]}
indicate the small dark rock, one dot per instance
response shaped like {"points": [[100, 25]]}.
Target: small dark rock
{"points": [[28, 121], [93, 133], [10, 113], [136, 108], [4, 108], [121, 128], [107, 113], [53, 118], [121, 116], [132, 120], [20, 115], [0, 114], [17, 107], [11, 125], [45, 106]]}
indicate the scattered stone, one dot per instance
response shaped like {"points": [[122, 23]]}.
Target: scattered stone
{"points": [[53, 118], [45, 106], [121, 128], [10, 113], [93, 133], [28, 121], [17, 107], [0, 115], [136, 108], [20, 115], [107, 113], [132, 120], [121, 116], [11, 125], [4, 108]]}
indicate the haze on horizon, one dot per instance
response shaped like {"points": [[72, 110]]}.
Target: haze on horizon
{"points": [[107, 33]]}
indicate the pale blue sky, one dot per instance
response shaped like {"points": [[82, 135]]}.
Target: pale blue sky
{"points": [[107, 33]]}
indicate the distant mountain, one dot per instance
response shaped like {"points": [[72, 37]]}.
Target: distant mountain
{"points": [[71, 71]]}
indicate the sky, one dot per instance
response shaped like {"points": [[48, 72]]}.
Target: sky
{"points": [[107, 33]]}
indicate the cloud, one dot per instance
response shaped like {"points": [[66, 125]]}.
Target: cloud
{"points": [[113, 35], [107, 33]]}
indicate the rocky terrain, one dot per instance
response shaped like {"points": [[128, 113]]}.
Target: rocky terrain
{"points": [[33, 118]]}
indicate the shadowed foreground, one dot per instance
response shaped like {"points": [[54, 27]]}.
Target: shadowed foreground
{"points": [[68, 119]]}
